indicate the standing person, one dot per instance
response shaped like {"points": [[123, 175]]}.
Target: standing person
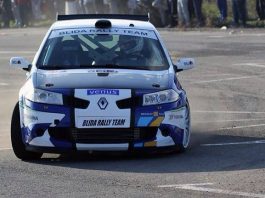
{"points": [[7, 15], [222, 6], [197, 4], [1, 11], [183, 13], [81, 7], [71, 7], [260, 8], [162, 7], [36, 11], [59, 7], [16, 14], [239, 12], [24, 7], [123, 6], [132, 6], [89, 6], [191, 9], [114, 7], [172, 8], [99, 6]]}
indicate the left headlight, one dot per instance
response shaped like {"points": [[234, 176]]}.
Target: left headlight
{"points": [[46, 97], [160, 97]]}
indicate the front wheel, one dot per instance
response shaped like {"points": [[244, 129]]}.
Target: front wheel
{"points": [[187, 131], [16, 139]]}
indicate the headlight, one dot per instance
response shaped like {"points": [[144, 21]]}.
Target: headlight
{"points": [[160, 97], [46, 97]]}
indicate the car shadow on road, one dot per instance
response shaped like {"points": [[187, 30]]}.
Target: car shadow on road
{"points": [[197, 159]]}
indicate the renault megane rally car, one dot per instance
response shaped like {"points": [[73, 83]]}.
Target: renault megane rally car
{"points": [[100, 83]]}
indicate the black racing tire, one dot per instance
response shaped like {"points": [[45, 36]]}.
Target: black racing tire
{"points": [[181, 148], [19, 147]]}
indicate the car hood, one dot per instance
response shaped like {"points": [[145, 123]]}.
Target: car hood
{"points": [[102, 78]]}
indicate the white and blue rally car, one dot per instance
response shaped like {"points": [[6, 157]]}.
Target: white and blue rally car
{"points": [[100, 83]]}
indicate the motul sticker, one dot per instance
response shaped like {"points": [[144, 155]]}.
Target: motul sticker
{"points": [[103, 92]]}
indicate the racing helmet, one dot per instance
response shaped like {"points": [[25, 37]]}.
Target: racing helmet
{"points": [[130, 44]]}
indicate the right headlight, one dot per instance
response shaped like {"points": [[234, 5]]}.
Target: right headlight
{"points": [[43, 96], [160, 97]]}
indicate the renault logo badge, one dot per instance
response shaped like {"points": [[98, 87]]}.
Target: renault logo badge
{"points": [[103, 103]]}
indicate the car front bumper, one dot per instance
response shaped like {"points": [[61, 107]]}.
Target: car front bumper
{"points": [[52, 128]]}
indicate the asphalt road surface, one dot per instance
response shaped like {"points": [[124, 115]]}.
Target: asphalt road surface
{"points": [[227, 153]]}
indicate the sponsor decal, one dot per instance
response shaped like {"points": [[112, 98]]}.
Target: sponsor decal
{"points": [[144, 121], [86, 31], [175, 117], [103, 92], [121, 31], [155, 114], [157, 121], [105, 71], [104, 122], [150, 144], [146, 114], [102, 71]]}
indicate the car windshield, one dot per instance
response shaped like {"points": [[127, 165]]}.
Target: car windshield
{"points": [[107, 48]]}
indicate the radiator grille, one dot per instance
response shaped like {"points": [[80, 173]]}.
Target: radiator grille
{"points": [[103, 135]]}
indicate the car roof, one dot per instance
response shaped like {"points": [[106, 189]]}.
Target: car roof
{"points": [[116, 23]]}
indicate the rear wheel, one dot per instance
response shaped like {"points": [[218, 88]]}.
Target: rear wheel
{"points": [[16, 139], [186, 135]]}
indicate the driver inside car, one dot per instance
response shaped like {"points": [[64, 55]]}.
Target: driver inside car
{"points": [[131, 51]]}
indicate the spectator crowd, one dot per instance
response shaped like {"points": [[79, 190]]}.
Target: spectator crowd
{"points": [[164, 13]]}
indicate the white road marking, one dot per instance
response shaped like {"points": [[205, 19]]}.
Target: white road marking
{"points": [[5, 149], [228, 79], [255, 34], [216, 36], [8, 57], [200, 188], [180, 185], [243, 34], [229, 112], [236, 143], [242, 127], [3, 84], [239, 120], [17, 52], [213, 75], [250, 64]]}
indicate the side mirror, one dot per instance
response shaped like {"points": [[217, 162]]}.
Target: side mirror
{"points": [[184, 64], [20, 62]]}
